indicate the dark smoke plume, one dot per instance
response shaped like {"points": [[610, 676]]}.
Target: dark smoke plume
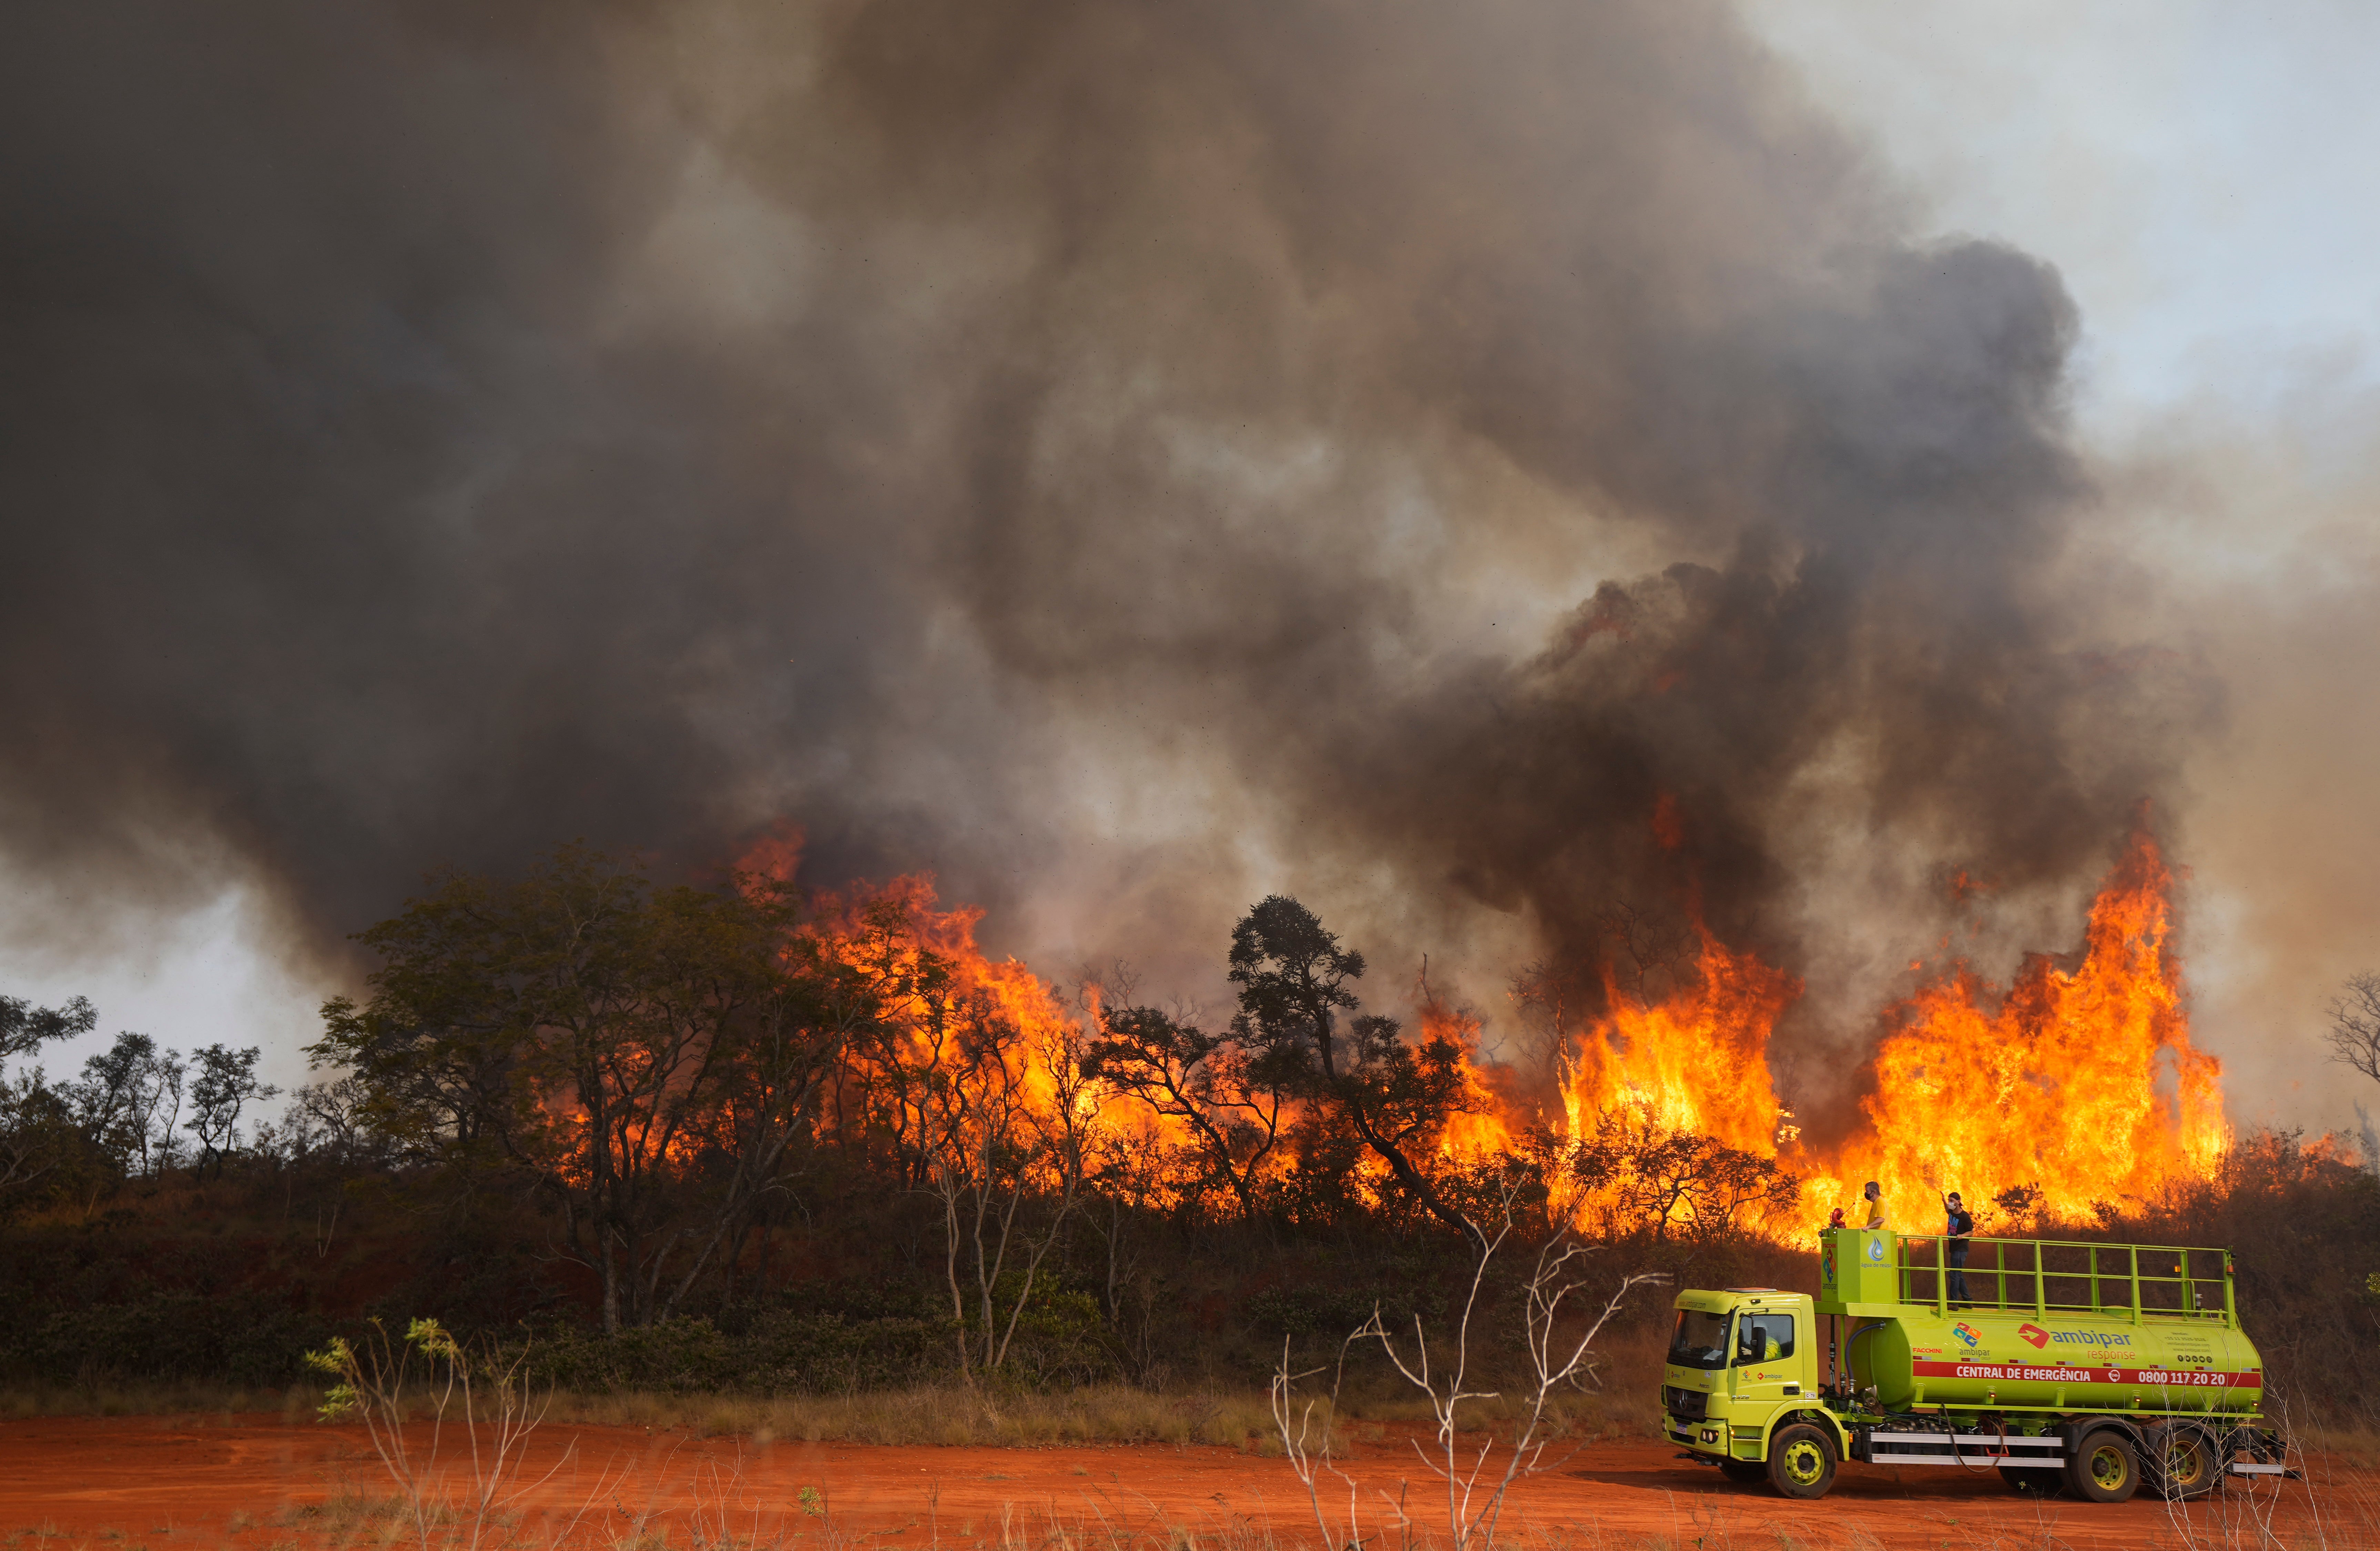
{"points": [[432, 432]]}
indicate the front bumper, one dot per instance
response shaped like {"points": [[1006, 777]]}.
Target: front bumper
{"points": [[1703, 1434]]}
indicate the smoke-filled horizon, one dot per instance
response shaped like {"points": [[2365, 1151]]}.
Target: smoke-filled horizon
{"points": [[1509, 474]]}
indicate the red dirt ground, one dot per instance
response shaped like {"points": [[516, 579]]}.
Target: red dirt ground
{"points": [[160, 1483]]}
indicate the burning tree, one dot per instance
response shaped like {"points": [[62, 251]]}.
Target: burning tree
{"points": [[1639, 1176], [1232, 1102], [1294, 981]]}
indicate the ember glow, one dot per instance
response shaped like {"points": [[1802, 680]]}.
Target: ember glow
{"points": [[2070, 1086]]}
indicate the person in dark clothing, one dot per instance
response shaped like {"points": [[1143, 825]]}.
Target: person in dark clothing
{"points": [[1961, 1227]]}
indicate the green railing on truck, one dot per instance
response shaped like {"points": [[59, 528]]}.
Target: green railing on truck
{"points": [[2049, 1275]]}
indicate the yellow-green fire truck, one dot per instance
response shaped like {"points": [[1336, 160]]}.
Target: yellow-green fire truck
{"points": [[2094, 1369]]}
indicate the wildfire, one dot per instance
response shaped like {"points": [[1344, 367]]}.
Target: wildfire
{"points": [[2074, 1086], [2079, 1085], [1696, 1062], [1479, 1127], [939, 984]]}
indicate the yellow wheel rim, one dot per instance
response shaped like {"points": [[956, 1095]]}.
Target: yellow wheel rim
{"points": [[2107, 1466], [1804, 1462]]}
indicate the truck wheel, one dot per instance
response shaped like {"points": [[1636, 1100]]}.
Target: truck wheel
{"points": [[1743, 1472], [1800, 1461], [2103, 1470], [2033, 1481], [2181, 1459]]}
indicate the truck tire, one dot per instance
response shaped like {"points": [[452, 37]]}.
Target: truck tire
{"points": [[2033, 1481], [1800, 1461], [1743, 1472], [2181, 1462], [2103, 1468]]}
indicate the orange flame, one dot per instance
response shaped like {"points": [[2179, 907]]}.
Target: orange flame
{"points": [[891, 931], [2081, 1083], [1479, 1128], [1695, 1061]]}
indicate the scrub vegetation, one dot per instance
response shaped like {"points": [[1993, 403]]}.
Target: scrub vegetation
{"points": [[742, 1157]]}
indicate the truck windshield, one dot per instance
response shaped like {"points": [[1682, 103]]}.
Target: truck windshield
{"points": [[1701, 1340]]}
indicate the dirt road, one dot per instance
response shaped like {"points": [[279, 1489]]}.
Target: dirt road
{"points": [[159, 1485]]}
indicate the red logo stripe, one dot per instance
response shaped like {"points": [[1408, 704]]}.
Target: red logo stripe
{"points": [[2025, 1372]]}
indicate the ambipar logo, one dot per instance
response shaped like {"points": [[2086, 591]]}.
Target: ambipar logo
{"points": [[2092, 1337]]}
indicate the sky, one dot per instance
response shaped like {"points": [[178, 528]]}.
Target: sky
{"points": [[2189, 167], [2193, 172]]}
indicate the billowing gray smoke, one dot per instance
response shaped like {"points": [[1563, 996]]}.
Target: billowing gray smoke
{"points": [[991, 432]]}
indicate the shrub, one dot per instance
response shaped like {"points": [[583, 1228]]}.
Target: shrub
{"points": [[776, 1353], [242, 1338]]}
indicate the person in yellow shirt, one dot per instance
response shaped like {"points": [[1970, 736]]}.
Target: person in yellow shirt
{"points": [[1875, 1205]]}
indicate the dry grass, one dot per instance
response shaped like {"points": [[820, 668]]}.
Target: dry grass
{"points": [[932, 1414], [945, 1414], [2357, 1445], [351, 1512], [951, 1415], [941, 1415]]}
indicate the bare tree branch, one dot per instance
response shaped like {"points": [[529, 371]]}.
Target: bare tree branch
{"points": [[1474, 1493], [2355, 1025]]}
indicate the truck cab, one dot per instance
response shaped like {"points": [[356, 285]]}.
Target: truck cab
{"points": [[1743, 1363]]}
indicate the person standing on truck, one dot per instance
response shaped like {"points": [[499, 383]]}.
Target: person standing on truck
{"points": [[1874, 1194], [1957, 1232]]}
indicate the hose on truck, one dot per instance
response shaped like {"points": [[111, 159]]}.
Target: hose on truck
{"points": [[1951, 1428], [1850, 1354]]}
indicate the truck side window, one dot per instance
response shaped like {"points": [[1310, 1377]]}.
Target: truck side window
{"points": [[1763, 1338]]}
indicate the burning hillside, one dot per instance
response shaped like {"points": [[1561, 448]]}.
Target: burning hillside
{"points": [[2078, 1082], [2074, 1088]]}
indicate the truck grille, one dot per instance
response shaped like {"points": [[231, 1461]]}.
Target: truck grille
{"points": [[1686, 1404]]}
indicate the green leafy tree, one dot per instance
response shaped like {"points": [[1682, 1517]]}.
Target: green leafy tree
{"points": [[24, 1027], [641, 1055], [44, 1155], [222, 1082], [121, 1095], [769, 1079], [42, 1151]]}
